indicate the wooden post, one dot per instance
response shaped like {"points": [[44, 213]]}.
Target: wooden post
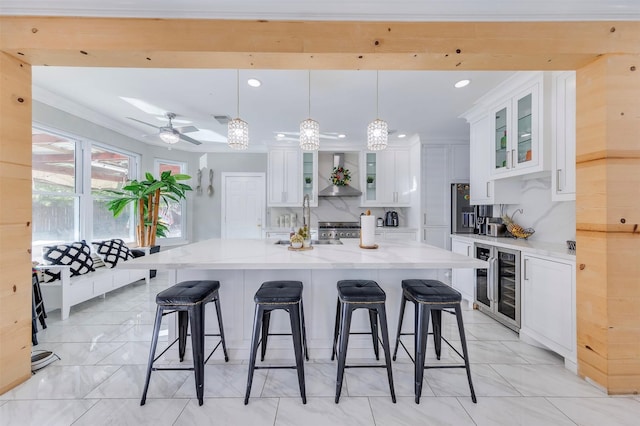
{"points": [[15, 222], [608, 222]]}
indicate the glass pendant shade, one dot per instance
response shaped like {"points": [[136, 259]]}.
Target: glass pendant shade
{"points": [[377, 135], [238, 130], [238, 134], [169, 136], [309, 135]]}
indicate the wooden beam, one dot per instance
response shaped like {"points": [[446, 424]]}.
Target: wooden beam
{"points": [[193, 43], [608, 222], [15, 222]]}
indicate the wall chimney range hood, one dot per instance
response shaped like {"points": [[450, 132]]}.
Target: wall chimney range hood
{"points": [[339, 190]]}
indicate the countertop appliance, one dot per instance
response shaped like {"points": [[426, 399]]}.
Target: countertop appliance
{"points": [[337, 230], [483, 215], [498, 287], [463, 215], [391, 218]]}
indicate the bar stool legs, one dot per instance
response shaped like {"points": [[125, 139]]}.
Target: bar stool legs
{"points": [[273, 295], [430, 298], [188, 300], [360, 294]]}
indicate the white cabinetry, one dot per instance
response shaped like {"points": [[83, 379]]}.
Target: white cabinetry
{"points": [[563, 123], [483, 189], [390, 171], [395, 234], [517, 133], [549, 304], [288, 172], [463, 280]]}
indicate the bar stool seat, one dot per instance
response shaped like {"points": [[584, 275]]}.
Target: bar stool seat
{"points": [[431, 298], [360, 294], [274, 295], [187, 299]]}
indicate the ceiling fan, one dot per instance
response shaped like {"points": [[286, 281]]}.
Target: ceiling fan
{"points": [[170, 134], [295, 136]]}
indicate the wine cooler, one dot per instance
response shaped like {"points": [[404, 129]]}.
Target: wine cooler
{"points": [[498, 287]]}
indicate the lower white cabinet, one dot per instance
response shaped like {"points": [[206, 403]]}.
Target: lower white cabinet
{"points": [[549, 304], [396, 234], [463, 280]]}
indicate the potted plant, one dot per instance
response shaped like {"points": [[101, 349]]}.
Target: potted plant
{"points": [[370, 180], [146, 196], [307, 181], [306, 238]]}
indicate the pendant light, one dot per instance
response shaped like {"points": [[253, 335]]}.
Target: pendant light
{"points": [[377, 130], [238, 130], [309, 129]]}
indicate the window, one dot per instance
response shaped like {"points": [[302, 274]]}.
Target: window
{"points": [[173, 214], [110, 170], [68, 175], [55, 195]]}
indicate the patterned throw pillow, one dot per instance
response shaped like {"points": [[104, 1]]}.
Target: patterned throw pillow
{"points": [[112, 251], [76, 254]]}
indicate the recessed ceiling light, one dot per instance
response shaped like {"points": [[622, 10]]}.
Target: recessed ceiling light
{"points": [[342, 136], [402, 135], [254, 82], [280, 135], [462, 83]]}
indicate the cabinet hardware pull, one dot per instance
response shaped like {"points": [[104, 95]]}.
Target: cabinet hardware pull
{"points": [[558, 175], [513, 158], [488, 195], [424, 220], [526, 278]]}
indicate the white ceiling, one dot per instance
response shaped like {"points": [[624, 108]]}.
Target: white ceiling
{"points": [[412, 102]]}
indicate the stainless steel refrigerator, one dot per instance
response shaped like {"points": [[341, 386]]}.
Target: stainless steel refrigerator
{"points": [[463, 217]]}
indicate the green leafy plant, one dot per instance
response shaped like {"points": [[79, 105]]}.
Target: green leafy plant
{"points": [[369, 179], [304, 233], [147, 196], [307, 179]]}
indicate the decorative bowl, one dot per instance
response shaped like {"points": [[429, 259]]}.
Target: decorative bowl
{"points": [[296, 245]]}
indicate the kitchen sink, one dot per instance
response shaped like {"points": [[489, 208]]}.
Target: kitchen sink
{"points": [[313, 242]]}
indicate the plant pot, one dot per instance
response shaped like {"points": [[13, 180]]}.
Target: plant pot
{"points": [[306, 243], [296, 245], [371, 185]]}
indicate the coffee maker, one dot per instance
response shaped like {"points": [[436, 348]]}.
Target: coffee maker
{"points": [[391, 218], [483, 214]]}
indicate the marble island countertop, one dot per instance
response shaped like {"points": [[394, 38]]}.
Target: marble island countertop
{"points": [[264, 254]]}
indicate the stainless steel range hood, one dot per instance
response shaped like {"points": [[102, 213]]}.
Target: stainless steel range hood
{"points": [[336, 190]]}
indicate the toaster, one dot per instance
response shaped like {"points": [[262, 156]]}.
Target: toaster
{"points": [[496, 229]]}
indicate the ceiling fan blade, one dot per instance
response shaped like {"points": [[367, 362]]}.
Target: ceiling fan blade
{"points": [[139, 121], [186, 129], [189, 139]]}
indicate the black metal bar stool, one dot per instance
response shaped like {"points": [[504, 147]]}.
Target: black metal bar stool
{"points": [[272, 295], [188, 300], [360, 294], [431, 297], [37, 308]]}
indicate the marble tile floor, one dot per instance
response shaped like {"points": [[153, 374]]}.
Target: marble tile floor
{"points": [[104, 348]]}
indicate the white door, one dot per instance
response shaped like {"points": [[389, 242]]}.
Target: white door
{"points": [[243, 205]]}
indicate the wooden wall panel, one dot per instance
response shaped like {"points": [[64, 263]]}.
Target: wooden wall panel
{"points": [[608, 222], [15, 222]]}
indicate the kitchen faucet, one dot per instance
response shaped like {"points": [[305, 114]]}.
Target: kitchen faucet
{"points": [[306, 213]]}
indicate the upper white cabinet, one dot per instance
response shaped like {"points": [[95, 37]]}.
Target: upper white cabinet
{"points": [[517, 133], [309, 176], [563, 123], [483, 189], [549, 304], [291, 174], [387, 178]]}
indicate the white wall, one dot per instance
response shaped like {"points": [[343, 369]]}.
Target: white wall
{"points": [[207, 209]]}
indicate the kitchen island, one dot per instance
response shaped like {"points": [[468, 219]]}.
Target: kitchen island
{"points": [[242, 266]]}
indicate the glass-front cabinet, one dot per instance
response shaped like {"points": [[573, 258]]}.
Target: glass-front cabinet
{"points": [[516, 133], [309, 177], [386, 181]]}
